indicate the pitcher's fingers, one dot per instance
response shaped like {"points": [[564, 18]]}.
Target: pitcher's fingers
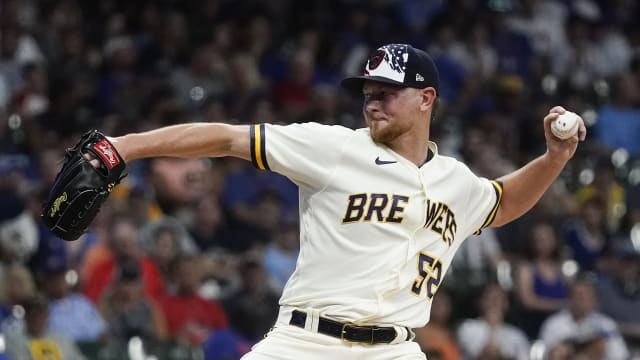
{"points": [[558, 110], [582, 131], [551, 116], [92, 160]]}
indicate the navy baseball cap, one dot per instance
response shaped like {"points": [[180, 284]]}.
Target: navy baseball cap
{"points": [[397, 64]]}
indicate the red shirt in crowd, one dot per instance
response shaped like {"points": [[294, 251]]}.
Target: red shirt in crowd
{"points": [[102, 274], [192, 318]]}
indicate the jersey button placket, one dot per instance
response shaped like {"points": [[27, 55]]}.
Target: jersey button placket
{"points": [[423, 186]]}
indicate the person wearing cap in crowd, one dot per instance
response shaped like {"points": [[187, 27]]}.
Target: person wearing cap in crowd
{"points": [[128, 312], [619, 291], [70, 312], [381, 212]]}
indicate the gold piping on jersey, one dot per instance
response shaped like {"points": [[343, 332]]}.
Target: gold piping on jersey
{"points": [[258, 152], [497, 187]]}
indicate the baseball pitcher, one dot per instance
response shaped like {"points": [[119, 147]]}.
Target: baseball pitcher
{"points": [[382, 213]]}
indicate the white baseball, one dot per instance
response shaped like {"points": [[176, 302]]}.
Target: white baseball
{"points": [[566, 125]]}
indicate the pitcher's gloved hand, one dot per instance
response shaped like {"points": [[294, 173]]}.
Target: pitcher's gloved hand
{"points": [[81, 187]]}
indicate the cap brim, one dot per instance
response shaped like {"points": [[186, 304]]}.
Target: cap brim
{"points": [[354, 84]]}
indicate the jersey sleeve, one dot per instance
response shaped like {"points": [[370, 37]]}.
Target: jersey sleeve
{"points": [[483, 201], [306, 153]]}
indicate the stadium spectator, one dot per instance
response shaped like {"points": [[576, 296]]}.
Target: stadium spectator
{"points": [[165, 240], [281, 254], [253, 308], [35, 341], [541, 286], [489, 336], [17, 286], [128, 312], [587, 236], [71, 313], [190, 317], [580, 322], [618, 121], [474, 266], [437, 340], [619, 291], [608, 187], [210, 230], [123, 247]]}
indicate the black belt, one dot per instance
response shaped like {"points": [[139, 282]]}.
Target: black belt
{"points": [[348, 332]]}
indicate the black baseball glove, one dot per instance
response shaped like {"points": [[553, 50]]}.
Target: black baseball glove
{"points": [[80, 188]]}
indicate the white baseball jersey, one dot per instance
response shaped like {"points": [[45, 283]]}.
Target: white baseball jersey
{"points": [[377, 232]]}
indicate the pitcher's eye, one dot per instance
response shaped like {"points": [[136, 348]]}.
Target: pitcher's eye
{"points": [[377, 95]]}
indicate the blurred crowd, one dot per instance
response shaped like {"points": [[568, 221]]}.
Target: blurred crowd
{"points": [[188, 257]]}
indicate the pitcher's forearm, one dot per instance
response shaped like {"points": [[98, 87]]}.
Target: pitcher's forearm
{"points": [[186, 140], [525, 186]]}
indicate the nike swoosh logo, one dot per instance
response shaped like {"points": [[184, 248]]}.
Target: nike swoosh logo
{"points": [[384, 162]]}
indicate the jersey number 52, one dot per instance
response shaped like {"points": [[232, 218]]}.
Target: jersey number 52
{"points": [[429, 273]]}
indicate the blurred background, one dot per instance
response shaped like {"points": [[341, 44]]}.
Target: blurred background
{"points": [[188, 258]]}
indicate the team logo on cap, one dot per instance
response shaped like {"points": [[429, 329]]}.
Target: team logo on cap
{"points": [[376, 59], [389, 62]]}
